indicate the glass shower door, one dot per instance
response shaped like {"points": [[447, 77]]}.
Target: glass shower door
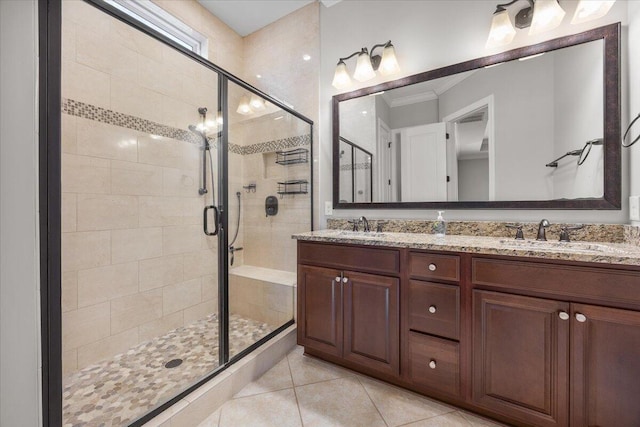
{"points": [[268, 200]]}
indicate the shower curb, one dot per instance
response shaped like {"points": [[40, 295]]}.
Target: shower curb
{"points": [[204, 401]]}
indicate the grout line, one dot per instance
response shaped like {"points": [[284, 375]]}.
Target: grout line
{"points": [[372, 401], [295, 394]]}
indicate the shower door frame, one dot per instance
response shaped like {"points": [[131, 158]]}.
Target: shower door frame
{"points": [[50, 172]]}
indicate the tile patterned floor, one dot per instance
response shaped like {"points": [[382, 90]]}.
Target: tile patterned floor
{"points": [[117, 391], [304, 391]]}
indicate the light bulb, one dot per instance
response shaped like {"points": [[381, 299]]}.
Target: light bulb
{"points": [[243, 107], [341, 79], [389, 63], [589, 10], [256, 103], [364, 69], [502, 31], [547, 15]]}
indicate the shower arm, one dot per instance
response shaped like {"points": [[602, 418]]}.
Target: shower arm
{"points": [[554, 164]]}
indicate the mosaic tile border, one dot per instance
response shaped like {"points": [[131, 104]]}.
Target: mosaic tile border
{"points": [[356, 166], [93, 112]]}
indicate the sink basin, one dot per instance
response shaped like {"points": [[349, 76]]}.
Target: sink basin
{"points": [[598, 248]]}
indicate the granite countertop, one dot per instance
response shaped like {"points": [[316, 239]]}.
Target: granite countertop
{"points": [[611, 253]]}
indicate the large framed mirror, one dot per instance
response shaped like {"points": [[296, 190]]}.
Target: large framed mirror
{"points": [[532, 128]]}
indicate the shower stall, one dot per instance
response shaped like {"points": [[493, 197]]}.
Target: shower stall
{"points": [[171, 270]]}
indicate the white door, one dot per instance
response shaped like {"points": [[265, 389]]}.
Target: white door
{"points": [[423, 166], [383, 178]]}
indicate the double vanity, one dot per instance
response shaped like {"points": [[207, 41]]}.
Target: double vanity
{"points": [[529, 333]]}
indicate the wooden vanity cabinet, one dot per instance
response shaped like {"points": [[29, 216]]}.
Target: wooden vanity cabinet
{"points": [[348, 314]]}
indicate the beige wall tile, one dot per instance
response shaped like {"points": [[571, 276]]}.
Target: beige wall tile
{"points": [[85, 325], [85, 15], [134, 310], [135, 179], [84, 84], [279, 297], [156, 76], [107, 55], [106, 141], [159, 272], [69, 291], [69, 134], [200, 263], [180, 296], [179, 182], [82, 174], [105, 283], [106, 212], [69, 201], [157, 328], [84, 250], [69, 40], [160, 151], [135, 40], [107, 348], [210, 288], [192, 209], [69, 362], [181, 239], [136, 244], [199, 311], [129, 98], [161, 211]]}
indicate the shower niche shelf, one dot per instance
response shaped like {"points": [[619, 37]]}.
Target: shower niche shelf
{"points": [[292, 157], [296, 186]]}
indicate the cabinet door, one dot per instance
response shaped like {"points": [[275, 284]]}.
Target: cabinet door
{"points": [[520, 353], [371, 321], [320, 309], [605, 367]]}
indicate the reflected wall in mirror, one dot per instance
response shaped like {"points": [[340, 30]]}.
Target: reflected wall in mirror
{"points": [[486, 133]]}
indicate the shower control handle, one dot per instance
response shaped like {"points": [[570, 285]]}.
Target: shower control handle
{"points": [[215, 220]]}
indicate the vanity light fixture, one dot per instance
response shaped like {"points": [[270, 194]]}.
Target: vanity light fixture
{"points": [[244, 107], [539, 16], [366, 65], [588, 10], [256, 103]]}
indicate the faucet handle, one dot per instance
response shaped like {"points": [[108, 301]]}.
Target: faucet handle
{"points": [[379, 226], [354, 223], [564, 232], [518, 227]]}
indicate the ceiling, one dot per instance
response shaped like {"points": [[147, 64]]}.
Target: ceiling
{"points": [[248, 16]]}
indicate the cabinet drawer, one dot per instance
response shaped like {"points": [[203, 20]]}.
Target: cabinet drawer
{"points": [[350, 257], [432, 266], [434, 308], [434, 363], [575, 283]]}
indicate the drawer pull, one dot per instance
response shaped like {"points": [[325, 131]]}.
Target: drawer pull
{"points": [[338, 279], [432, 267], [581, 317], [563, 315], [432, 309], [432, 364], [345, 279]]}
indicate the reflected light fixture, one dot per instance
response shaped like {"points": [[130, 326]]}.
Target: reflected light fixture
{"points": [[588, 10], [243, 107], [539, 16], [256, 103], [366, 65]]}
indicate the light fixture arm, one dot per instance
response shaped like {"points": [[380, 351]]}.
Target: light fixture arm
{"points": [[376, 59], [364, 49], [523, 17]]}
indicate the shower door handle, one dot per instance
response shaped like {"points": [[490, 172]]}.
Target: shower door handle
{"points": [[215, 219]]}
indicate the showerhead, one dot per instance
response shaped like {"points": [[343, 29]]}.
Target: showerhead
{"points": [[204, 137]]}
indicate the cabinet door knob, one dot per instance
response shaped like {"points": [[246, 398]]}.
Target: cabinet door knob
{"points": [[581, 317], [345, 280], [432, 364], [563, 315], [432, 309], [338, 279], [432, 267]]}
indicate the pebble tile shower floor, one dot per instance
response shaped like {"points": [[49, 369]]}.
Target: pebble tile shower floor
{"points": [[117, 391]]}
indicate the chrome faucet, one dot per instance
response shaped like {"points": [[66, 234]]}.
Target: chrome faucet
{"points": [[365, 223], [542, 232]]}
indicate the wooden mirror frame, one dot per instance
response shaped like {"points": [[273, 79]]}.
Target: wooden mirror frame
{"points": [[611, 199]]}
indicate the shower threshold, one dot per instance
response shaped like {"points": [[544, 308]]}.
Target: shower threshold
{"points": [[116, 392]]}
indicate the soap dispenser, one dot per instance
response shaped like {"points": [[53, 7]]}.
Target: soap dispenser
{"points": [[440, 225]]}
